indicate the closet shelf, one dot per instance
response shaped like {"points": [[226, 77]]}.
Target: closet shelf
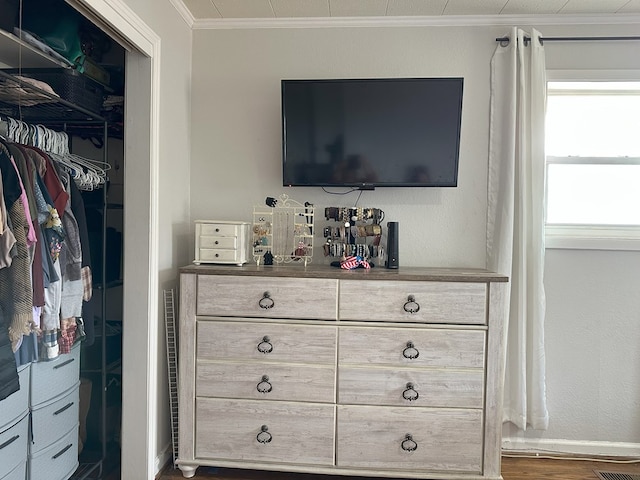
{"points": [[24, 101], [15, 52]]}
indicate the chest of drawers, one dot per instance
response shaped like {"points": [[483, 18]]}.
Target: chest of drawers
{"points": [[319, 370], [221, 242]]}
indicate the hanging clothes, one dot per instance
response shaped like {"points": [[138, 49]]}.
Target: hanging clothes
{"points": [[16, 295], [9, 382]]}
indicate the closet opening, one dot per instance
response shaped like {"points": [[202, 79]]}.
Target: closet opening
{"points": [[62, 78]]}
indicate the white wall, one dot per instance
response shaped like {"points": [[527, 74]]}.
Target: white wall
{"points": [[173, 207], [236, 126], [592, 321]]}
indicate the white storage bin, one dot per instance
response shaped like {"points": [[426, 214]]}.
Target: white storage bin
{"points": [[13, 446], [50, 420], [16, 404], [51, 378], [58, 461]]}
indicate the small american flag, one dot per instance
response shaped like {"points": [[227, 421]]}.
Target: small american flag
{"points": [[349, 263]]}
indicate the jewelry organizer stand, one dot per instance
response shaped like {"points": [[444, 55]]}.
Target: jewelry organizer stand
{"points": [[358, 233], [283, 232]]}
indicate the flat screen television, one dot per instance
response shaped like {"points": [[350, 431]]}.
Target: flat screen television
{"points": [[367, 133]]}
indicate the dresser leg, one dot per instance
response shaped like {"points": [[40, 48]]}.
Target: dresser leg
{"points": [[188, 471]]}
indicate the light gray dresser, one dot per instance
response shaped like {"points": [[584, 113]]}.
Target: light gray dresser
{"points": [[386, 373], [39, 423]]}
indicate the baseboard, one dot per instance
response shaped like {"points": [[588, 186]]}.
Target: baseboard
{"points": [[570, 447], [163, 459]]}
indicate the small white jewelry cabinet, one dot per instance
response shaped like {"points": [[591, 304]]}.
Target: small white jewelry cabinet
{"points": [[222, 242]]}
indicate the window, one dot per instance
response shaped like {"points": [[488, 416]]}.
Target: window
{"points": [[593, 164]]}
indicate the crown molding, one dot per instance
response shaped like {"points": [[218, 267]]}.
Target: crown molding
{"points": [[414, 21], [184, 12]]}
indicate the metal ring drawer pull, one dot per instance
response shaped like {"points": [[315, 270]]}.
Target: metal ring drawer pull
{"points": [[411, 351], [265, 346], [409, 444], [264, 386], [266, 301], [411, 306], [410, 394], [264, 436]]}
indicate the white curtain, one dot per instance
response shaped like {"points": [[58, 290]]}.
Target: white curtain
{"points": [[515, 220]]}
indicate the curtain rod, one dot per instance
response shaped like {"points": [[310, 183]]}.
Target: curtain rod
{"points": [[505, 40]]}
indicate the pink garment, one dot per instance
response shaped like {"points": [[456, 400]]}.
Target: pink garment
{"points": [[31, 233]]}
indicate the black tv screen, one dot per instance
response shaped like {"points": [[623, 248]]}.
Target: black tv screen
{"points": [[391, 132]]}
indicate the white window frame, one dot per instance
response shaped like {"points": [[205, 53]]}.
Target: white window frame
{"points": [[591, 237]]}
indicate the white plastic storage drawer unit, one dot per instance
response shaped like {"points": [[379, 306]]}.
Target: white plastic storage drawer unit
{"points": [[13, 446], [53, 446], [50, 379], [58, 461], [53, 418]]}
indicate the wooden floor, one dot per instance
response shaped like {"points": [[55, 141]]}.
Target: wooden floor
{"points": [[512, 469]]}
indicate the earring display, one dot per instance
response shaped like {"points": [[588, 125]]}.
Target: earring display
{"points": [[283, 231]]}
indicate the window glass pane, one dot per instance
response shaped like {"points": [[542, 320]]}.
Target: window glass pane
{"points": [[593, 119], [593, 194]]}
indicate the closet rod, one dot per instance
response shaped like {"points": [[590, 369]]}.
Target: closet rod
{"points": [[506, 40]]}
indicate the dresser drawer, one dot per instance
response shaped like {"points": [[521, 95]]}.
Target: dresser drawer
{"points": [[416, 347], [295, 433], [16, 404], [18, 473], [216, 255], [229, 243], [442, 439], [430, 302], [50, 379], [266, 342], [217, 229], [410, 387], [51, 419], [310, 298], [14, 442], [58, 461], [303, 383]]}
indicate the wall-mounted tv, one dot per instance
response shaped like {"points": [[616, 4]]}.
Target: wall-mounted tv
{"points": [[382, 132]]}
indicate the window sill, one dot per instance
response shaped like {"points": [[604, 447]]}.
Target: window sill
{"points": [[586, 237]]}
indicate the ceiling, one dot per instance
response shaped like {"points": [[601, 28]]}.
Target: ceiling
{"points": [[282, 9]]}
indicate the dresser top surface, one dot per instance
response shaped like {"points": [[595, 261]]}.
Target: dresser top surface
{"points": [[325, 271]]}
